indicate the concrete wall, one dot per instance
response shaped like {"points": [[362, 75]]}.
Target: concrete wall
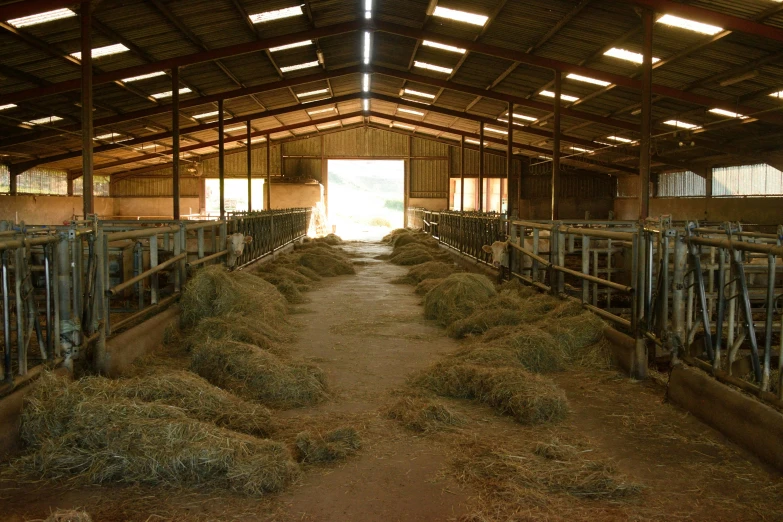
{"points": [[294, 195], [429, 203], [762, 211], [53, 210]]}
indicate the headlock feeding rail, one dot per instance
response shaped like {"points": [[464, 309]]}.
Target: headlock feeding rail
{"points": [[65, 289], [704, 296]]}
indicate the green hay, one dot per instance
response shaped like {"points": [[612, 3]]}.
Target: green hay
{"points": [[326, 265], [335, 445], [213, 291], [237, 328], [274, 273], [425, 286], [419, 238], [309, 273], [422, 415], [513, 286], [424, 271], [529, 398], [536, 350], [482, 320], [576, 333], [457, 296], [199, 399], [566, 309], [72, 432], [69, 515], [255, 374]]}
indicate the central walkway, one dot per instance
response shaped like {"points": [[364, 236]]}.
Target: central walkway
{"points": [[368, 336]]}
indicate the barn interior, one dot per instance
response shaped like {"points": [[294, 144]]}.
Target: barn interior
{"points": [[252, 200]]}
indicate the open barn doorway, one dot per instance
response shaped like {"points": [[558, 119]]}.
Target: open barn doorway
{"points": [[366, 197]]}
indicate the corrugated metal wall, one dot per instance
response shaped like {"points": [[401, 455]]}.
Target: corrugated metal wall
{"points": [[587, 186], [154, 187]]}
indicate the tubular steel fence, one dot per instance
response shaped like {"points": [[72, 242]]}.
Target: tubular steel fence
{"points": [[707, 296], [65, 289]]}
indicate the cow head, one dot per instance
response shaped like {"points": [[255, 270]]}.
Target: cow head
{"points": [[235, 244], [499, 251]]}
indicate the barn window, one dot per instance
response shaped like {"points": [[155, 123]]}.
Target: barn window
{"points": [[747, 180], [684, 184]]}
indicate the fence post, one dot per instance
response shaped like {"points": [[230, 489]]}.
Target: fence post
{"points": [[678, 294], [153, 264], [8, 374], [100, 296], [585, 268]]}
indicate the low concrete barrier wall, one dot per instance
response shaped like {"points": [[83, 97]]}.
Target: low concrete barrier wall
{"points": [[751, 424]]}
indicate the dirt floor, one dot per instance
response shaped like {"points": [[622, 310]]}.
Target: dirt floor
{"points": [[368, 336]]}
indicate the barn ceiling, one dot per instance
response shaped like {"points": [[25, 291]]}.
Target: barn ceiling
{"points": [[288, 69]]}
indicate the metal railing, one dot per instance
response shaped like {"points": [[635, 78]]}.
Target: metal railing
{"points": [[65, 289], [706, 296]]}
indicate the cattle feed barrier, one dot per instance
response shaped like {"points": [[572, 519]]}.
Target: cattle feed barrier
{"points": [[67, 288]]}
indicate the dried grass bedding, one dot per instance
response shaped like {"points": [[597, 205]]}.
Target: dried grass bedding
{"points": [[209, 426]]}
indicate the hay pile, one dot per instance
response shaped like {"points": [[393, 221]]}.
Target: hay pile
{"points": [[422, 415], [417, 253], [457, 297], [215, 292], [72, 431], [68, 515], [256, 374], [425, 286], [335, 445], [391, 236], [240, 328], [425, 271], [288, 282], [529, 398]]}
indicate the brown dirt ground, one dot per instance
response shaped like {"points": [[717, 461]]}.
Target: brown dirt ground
{"points": [[369, 336]]}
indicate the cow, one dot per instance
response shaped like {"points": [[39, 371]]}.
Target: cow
{"points": [[499, 251], [235, 244]]}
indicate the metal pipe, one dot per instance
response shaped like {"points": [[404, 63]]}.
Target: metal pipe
{"points": [[768, 333], [481, 167], [509, 163], [48, 283], [585, 268], [20, 326], [207, 259], [249, 168], [140, 234], [721, 307], [130, 282], [648, 22]]}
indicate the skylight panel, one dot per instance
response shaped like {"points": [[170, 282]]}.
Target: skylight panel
{"points": [[100, 52], [278, 14], [312, 93], [523, 117], [629, 56], [410, 111], [472, 141], [619, 139], [403, 126], [300, 66], [328, 125], [114, 137], [7, 106], [580, 149], [367, 47], [366, 105], [681, 124], [728, 114], [683, 23], [368, 9], [778, 94], [586, 79], [320, 111], [167, 94], [235, 129], [460, 16], [366, 82], [497, 131], [564, 97], [205, 115], [431, 67], [450, 48], [144, 76], [419, 93], [290, 46], [43, 121], [40, 18]]}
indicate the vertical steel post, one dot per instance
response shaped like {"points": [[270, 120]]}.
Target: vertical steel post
{"points": [[509, 163], [648, 20], [462, 194], [268, 201], [407, 185], [175, 138], [176, 270], [85, 14], [556, 148], [249, 170], [153, 264], [481, 168], [222, 159], [8, 374], [48, 283], [21, 337], [585, 268], [768, 323], [721, 306]]}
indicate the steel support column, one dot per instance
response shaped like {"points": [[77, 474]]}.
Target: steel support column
{"points": [[249, 168], [268, 202], [556, 148], [648, 19], [462, 174], [222, 159], [509, 162], [175, 138], [481, 169], [85, 14]]}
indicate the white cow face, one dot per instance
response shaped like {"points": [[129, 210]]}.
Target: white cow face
{"points": [[235, 244], [499, 251]]}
